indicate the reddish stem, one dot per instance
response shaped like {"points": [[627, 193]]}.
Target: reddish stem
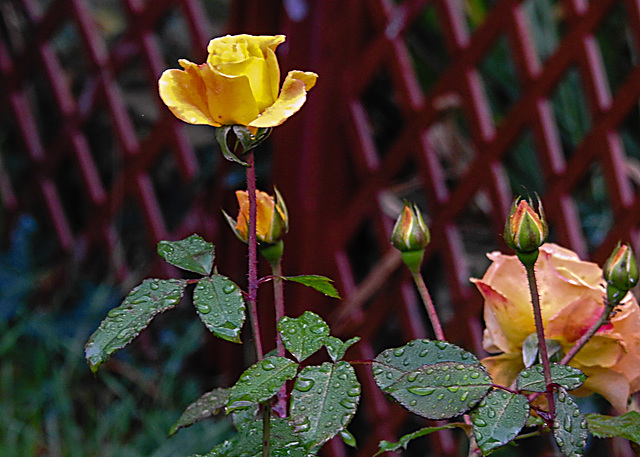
{"points": [[252, 275]]}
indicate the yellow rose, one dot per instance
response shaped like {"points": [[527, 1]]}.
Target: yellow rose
{"points": [[572, 298], [238, 84], [272, 221]]}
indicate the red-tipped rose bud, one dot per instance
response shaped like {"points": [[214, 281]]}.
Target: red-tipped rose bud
{"points": [[526, 229], [621, 272], [411, 236]]}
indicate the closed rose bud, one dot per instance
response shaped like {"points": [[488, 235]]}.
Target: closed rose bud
{"points": [[526, 229], [620, 272], [272, 221], [411, 236]]}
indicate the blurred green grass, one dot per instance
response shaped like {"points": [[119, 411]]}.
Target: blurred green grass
{"points": [[51, 404]]}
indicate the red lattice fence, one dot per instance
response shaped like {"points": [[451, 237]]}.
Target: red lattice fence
{"points": [[451, 104]]}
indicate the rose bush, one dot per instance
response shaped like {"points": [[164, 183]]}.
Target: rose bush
{"points": [[238, 84], [572, 298]]}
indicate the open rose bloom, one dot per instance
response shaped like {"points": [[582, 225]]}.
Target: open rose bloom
{"points": [[239, 84], [572, 298]]}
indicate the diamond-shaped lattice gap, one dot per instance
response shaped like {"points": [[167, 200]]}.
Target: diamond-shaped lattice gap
{"points": [[173, 31], [38, 94], [427, 48], [546, 25], [109, 18], [572, 114], [14, 162], [449, 138], [523, 166], [630, 136], [591, 197], [500, 78], [67, 44], [383, 112], [72, 194], [132, 241], [433, 272], [616, 45], [475, 228], [476, 12], [101, 138], [174, 196], [140, 98], [362, 250]]}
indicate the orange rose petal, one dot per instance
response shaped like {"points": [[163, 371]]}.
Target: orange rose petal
{"points": [[265, 213], [242, 223], [292, 97], [184, 94], [611, 385], [600, 351], [504, 368], [508, 323]]}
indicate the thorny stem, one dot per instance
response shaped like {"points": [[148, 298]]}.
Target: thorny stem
{"points": [[278, 298], [428, 304], [252, 275], [537, 314]]}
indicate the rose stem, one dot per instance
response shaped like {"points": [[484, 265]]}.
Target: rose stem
{"points": [[537, 314], [278, 297], [428, 304], [252, 275]]}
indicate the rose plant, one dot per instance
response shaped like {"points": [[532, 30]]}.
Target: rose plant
{"points": [[558, 324]]}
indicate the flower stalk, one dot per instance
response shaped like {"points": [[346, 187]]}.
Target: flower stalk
{"points": [[542, 344], [429, 306], [278, 298], [252, 276]]}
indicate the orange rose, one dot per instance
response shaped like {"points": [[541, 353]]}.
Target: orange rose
{"points": [[572, 298]]}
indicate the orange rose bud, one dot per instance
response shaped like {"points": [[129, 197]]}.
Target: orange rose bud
{"points": [[621, 272], [411, 236], [526, 229], [272, 218]]}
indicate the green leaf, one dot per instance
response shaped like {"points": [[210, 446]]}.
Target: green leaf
{"points": [[220, 306], [125, 322], [323, 401], [205, 406], [249, 141], [337, 348], [532, 379], [441, 390], [320, 283], [386, 446], [348, 438], [222, 134], [393, 363], [498, 419], [627, 426], [192, 254], [303, 336], [260, 382], [248, 441], [569, 426]]}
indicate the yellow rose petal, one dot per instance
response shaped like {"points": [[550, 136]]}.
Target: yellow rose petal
{"points": [[230, 99], [184, 93], [292, 97]]}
